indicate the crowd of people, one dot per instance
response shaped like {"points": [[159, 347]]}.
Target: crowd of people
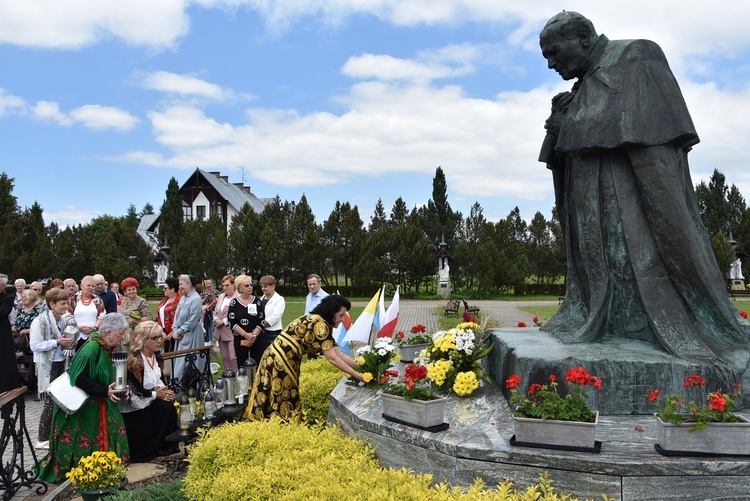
{"points": [[78, 325]]}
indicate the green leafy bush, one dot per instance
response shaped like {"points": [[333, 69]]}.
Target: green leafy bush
{"points": [[317, 380], [272, 460]]}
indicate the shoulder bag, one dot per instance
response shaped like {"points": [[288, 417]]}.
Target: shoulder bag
{"points": [[68, 397]]}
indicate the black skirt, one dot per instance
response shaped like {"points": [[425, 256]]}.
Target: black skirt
{"points": [[148, 429]]}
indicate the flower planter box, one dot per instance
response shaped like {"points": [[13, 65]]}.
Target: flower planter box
{"points": [[409, 352], [553, 432], [424, 413], [718, 438]]}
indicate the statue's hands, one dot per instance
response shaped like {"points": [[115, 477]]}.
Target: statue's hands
{"points": [[561, 101], [554, 123]]}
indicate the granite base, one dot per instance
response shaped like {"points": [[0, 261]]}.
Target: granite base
{"points": [[629, 369], [477, 445]]}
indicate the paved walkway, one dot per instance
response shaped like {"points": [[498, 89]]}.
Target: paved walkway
{"points": [[411, 312]]}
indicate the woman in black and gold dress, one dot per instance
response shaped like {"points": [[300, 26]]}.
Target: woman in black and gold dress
{"points": [[276, 385]]}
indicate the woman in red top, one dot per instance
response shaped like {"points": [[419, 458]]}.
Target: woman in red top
{"points": [[166, 309]]}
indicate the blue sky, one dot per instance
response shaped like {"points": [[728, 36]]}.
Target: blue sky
{"points": [[102, 101]]}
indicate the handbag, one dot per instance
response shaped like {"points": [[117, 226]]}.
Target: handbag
{"points": [[20, 341], [68, 397]]}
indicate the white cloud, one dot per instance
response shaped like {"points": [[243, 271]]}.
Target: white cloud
{"points": [[184, 85], [70, 215], [185, 128], [10, 103], [98, 117], [76, 23], [49, 110], [448, 62], [387, 129]]}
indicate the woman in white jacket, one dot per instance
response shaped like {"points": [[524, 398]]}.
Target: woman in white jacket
{"points": [[273, 309]]}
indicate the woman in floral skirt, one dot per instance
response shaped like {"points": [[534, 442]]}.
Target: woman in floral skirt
{"points": [[98, 424]]}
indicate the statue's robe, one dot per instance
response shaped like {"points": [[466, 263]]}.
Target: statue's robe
{"points": [[640, 264]]}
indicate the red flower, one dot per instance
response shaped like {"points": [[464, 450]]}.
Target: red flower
{"points": [[521, 324], [535, 319], [737, 386], [744, 314], [418, 328], [654, 395], [716, 402], [578, 375], [416, 372], [401, 334], [467, 316], [552, 378], [534, 387], [513, 381], [694, 380], [597, 382]]}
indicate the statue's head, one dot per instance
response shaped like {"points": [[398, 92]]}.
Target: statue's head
{"points": [[566, 41]]}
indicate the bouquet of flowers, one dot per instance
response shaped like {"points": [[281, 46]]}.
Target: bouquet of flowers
{"points": [[544, 402], [453, 358], [413, 386], [718, 410], [98, 471], [418, 336], [374, 360]]}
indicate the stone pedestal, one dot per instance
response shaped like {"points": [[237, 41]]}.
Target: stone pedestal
{"points": [[738, 284], [444, 289], [629, 369]]}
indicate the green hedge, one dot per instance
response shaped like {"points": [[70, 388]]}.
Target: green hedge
{"points": [[317, 380]]}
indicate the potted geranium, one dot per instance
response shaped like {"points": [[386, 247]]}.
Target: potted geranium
{"points": [[98, 475], [706, 428], [546, 417], [411, 398], [453, 358], [374, 360], [410, 346]]}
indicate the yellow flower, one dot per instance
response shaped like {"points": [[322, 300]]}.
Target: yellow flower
{"points": [[446, 343], [465, 384], [360, 360], [367, 377], [438, 371]]}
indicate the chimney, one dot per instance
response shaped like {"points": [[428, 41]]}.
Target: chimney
{"points": [[225, 179]]}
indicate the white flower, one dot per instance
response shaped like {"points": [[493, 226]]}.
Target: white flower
{"points": [[438, 335], [382, 352], [364, 349]]}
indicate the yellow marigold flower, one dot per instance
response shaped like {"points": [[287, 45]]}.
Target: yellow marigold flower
{"points": [[367, 377], [360, 360]]}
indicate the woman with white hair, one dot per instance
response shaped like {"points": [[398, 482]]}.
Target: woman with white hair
{"points": [[98, 424], [187, 328]]}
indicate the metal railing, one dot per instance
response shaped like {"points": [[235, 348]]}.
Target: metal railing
{"points": [[192, 376], [15, 436]]}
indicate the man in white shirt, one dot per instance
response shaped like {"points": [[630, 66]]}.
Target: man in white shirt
{"points": [[316, 294]]}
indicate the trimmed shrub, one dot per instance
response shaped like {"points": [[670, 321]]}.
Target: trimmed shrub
{"points": [[272, 460], [317, 380]]}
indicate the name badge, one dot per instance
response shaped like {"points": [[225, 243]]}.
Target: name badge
{"points": [[252, 309]]}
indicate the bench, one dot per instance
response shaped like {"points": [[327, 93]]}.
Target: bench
{"points": [[154, 296], [471, 309], [452, 307], [739, 292]]}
